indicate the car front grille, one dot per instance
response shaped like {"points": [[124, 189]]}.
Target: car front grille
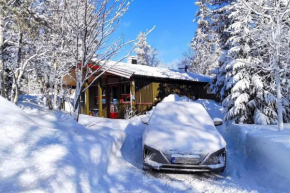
{"points": [[185, 160]]}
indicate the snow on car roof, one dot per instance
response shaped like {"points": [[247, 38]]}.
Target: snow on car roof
{"points": [[180, 112], [182, 127], [127, 70]]}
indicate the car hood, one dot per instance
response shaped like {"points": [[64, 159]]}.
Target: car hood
{"points": [[184, 139]]}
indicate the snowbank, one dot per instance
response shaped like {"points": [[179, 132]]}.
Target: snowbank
{"points": [[47, 151], [265, 145], [175, 97]]}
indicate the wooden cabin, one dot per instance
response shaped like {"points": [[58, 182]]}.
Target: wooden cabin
{"points": [[125, 85]]}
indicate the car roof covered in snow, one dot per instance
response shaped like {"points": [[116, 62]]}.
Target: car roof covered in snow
{"points": [[180, 112], [183, 127], [128, 70]]}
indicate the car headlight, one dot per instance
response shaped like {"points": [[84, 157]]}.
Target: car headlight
{"points": [[148, 154], [154, 155], [218, 157]]}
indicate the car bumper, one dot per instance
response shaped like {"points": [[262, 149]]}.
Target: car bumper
{"points": [[185, 168], [160, 162]]}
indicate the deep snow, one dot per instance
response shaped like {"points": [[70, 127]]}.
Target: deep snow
{"points": [[266, 147], [46, 151]]}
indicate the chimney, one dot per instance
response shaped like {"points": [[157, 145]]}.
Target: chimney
{"points": [[132, 60], [183, 67]]}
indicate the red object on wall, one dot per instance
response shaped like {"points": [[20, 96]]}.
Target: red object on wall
{"points": [[114, 115], [91, 66], [123, 96]]}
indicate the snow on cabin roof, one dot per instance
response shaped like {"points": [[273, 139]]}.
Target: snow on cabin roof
{"points": [[128, 70]]}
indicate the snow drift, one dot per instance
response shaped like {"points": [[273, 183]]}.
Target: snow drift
{"points": [[264, 145], [175, 98], [49, 152]]}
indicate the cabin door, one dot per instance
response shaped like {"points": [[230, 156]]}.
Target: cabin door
{"points": [[113, 102]]}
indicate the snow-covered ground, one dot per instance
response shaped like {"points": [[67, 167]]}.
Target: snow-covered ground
{"points": [[47, 151], [266, 147]]}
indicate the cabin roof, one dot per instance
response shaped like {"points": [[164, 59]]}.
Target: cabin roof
{"points": [[130, 70]]}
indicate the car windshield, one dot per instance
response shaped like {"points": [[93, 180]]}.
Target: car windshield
{"points": [[174, 113]]}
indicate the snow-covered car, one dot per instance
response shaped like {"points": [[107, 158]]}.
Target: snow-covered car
{"points": [[181, 136]]}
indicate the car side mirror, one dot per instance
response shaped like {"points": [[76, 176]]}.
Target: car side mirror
{"points": [[145, 120], [217, 121]]}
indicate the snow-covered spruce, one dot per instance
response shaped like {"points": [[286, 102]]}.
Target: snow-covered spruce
{"points": [[146, 55], [249, 78]]}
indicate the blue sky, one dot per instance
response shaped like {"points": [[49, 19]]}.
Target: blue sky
{"points": [[174, 25]]}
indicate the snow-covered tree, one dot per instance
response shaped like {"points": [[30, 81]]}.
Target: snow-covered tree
{"points": [[276, 15], [21, 27], [221, 22], [146, 55], [90, 25], [245, 79], [2, 68], [205, 45], [251, 52], [46, 39], [58, 41], [237, 79]]}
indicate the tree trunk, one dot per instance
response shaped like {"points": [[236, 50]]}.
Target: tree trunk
{"points": [[80, 72], [77, 103], [16, 96], [46, 91], [16, 87], [279, 101], [277, 39], [2, 68], [55, 100]]}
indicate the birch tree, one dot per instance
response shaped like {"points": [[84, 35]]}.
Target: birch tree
{"points": [[23, 23], [2, 68], [91, 25], [58, 41], [276, 15]]}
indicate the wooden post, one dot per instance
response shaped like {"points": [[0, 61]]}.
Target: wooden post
{"points": [[132, 94], [87, 99], [155, 91], [100, 101]]}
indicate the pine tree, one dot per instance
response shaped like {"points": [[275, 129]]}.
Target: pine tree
{"points": [[244, 80], [237, 80], [145, 54], [204, 46]]}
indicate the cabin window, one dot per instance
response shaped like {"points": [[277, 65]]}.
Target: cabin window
{"points": [[125, 93]]}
